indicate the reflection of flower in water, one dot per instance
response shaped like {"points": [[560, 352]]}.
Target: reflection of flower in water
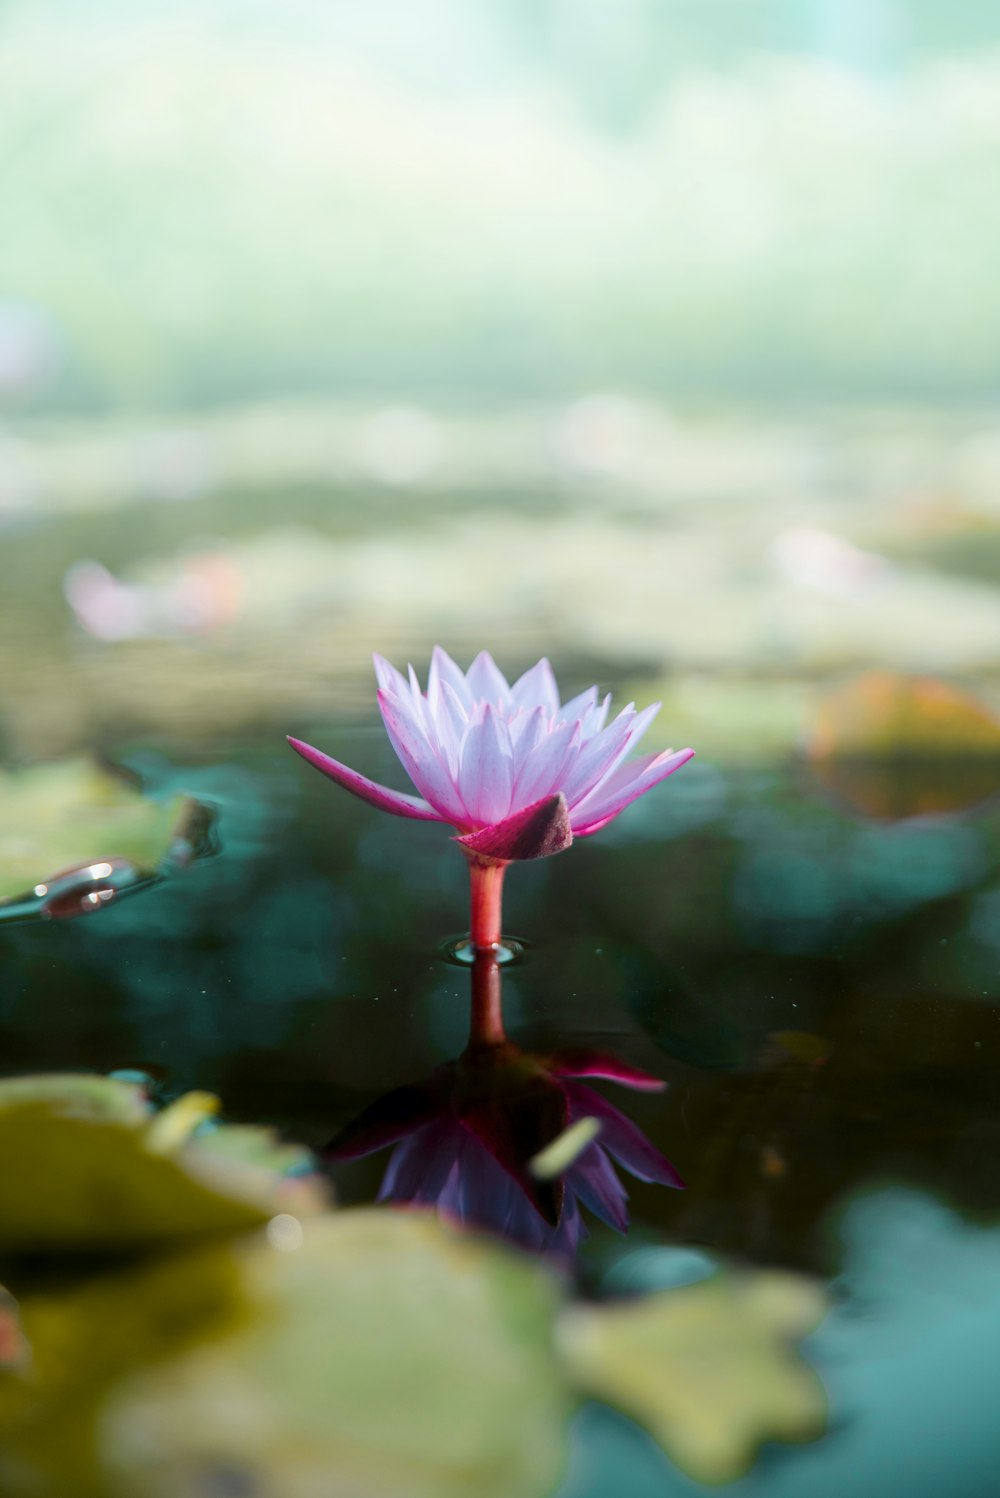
{"points": [[465, 1141]]}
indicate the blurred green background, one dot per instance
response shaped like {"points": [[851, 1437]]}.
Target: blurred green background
{"points": [[661, 336]]}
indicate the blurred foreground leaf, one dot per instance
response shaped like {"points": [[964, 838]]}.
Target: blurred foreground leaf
{"points": [[362, 1354], [707, 1369], [386, 1356], [85, 1163], [72, 814]]}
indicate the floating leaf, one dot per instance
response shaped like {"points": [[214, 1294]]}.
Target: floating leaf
{"points": [[388, 1356], [68, 819], [888, 744], [883, 714], [707, 1369], [85, 1162]]}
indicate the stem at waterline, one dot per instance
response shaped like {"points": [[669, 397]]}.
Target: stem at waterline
{"points": [[486, 1021], [485, 903]]}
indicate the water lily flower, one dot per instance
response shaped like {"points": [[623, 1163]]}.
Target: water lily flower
{"points": [[464, 1144], [516, 771]]}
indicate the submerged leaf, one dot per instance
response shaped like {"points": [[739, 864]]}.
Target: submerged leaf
{"points": [[707, 1369], [86, 1163]]}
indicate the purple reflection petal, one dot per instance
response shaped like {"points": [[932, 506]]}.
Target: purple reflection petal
{"points": [[621, 1137], [593, 1180]]}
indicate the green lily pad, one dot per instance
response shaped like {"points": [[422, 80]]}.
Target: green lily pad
{"points": [[86, 1163], [386, 1355], [72, 814], [708, 1370]]}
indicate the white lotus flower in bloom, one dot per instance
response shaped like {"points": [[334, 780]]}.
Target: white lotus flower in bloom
{"points": [[518, 773]]}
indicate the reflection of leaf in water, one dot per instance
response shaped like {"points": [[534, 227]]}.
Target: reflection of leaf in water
{"points": [[706, 1369], [74, 814], [83, 1164], [898, 746], [388, 1355]]}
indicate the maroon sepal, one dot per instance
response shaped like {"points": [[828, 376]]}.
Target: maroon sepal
{"points": [[536, 832]]}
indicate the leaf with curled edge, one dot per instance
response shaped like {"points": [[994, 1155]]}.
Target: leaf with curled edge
{"points": [[709, 1369], [87, 1164], [69, 817]]}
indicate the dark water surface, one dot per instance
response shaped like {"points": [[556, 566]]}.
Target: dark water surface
{"points": [[819, 987]]}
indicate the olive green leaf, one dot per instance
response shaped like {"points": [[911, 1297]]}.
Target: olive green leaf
{"points": [[86, 1163], [73, 814], [707, 1369], [384, 1355]]}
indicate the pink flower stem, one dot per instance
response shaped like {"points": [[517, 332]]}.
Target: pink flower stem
{"points": [[486, 902], [485, 924]]}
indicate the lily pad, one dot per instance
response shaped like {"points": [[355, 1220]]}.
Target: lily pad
{"points": [[86, 1163], [387, 1355], [74, 815], [885, 715], [888, 744], [708, 1369]]}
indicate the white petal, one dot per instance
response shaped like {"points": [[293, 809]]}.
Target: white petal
{"points": [[526, 730], [537, 688], [541, 772], [419, 759], [579, 706], [599, 755], [594, 768], [486, 681], [388, 678], [443, 669], [450, 723], [629, 781], [485, 776], [596, 718]]}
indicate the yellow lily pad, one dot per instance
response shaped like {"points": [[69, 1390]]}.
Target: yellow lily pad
{"points": [[882, 714], [889, 744], [708, 1369], [85, 1163]]}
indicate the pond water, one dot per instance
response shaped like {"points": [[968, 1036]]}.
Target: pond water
{"points": [[819, 989], [811, 966]]}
